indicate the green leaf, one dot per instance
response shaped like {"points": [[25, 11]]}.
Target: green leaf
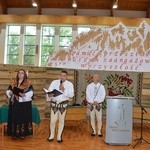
{"points": [[105, 81], [131, 88], [111, 75]]}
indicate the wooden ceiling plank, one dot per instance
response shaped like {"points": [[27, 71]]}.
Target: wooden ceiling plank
{"points": [[135, 5], [3, 6]]}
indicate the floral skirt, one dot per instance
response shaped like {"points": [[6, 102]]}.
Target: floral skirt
{"points": [[20, 119]]}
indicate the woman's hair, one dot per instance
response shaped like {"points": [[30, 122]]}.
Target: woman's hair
{"points": [[25, 76]]}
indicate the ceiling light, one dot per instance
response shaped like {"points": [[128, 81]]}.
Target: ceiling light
{"points": [[74, 4], [34, 4], [115, 5]]}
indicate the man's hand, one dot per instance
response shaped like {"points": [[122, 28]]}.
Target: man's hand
{"points": [[61, 87], [95, 103]]}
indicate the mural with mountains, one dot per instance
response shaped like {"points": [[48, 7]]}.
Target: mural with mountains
{"points": [[107, 48]]}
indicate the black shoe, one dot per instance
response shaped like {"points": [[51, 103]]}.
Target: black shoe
{"points": [[100, 135], [50, 140], [93, 134], [14, 137], [60, 141], [22, 137]]}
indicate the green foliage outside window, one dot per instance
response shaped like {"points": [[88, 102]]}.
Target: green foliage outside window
{"points": [[30, 45], [48, 42], [65, 37], [13, 41]]}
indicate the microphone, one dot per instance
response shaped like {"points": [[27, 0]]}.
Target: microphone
{"points": [[61, 82], [61, 87]]}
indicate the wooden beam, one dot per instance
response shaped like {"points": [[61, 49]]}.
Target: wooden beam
{"points": [[148, 13], [146, 75], [75, 11], [146, 81], [146, 92], [71, 20], [39, 10], [39, 7], [3, 6], [112, 12]]}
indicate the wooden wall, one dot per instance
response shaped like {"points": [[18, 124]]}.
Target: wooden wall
{"points": [[145, 95], [40, 78], [144, 98]]}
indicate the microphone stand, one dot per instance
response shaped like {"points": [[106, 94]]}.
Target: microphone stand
{"points": [[139, 140]]}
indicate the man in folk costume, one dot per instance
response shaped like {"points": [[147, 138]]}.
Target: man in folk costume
{"points": [[95, 95], [59, 104]]}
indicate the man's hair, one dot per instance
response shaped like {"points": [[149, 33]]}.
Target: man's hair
{"points": [[64, 71]]}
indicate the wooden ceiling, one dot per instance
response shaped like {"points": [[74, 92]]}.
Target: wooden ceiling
{"points": [[133, 5]]}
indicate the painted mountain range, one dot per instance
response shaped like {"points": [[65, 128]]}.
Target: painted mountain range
{"points": [[89, 47]]}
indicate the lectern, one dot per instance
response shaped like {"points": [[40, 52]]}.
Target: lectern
{"points": [[119, 120]]}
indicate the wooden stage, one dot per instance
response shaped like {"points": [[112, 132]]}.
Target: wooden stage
{"points": [[76, 137]]}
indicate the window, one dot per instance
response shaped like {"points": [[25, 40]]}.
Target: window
{"points": [[29, 45], [65, 37], [13, 41], [83, 29], [22, 49], [48, 39]]}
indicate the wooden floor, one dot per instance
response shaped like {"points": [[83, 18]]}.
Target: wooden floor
{"points": [[76, 137]]}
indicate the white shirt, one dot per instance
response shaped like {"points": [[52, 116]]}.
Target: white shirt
{"points": [[68, 92], [95, 92], [26, 98]]}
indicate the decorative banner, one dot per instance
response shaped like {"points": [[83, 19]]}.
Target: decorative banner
{"points": [[117, 48], [115, 82]]}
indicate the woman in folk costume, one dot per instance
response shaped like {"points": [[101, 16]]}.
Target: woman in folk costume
{"points": [[20, 94]]}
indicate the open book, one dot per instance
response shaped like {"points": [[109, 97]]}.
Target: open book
{"points": [[16, 91], [55, 92]]}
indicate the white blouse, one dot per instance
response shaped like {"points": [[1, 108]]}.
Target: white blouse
{"points": [[26, 98]]}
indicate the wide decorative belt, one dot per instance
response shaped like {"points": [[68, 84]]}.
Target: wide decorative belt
{"points": [[97, 107], [63, 102], [59, 106]]}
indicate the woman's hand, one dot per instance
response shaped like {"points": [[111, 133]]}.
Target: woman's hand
{"points": [[17, 97], [10, 93]]}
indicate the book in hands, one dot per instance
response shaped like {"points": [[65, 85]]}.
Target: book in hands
{"points": [[54, 92], [16, 91]]}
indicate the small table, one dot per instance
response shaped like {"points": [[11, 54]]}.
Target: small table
{"points": [[4, 117]]}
